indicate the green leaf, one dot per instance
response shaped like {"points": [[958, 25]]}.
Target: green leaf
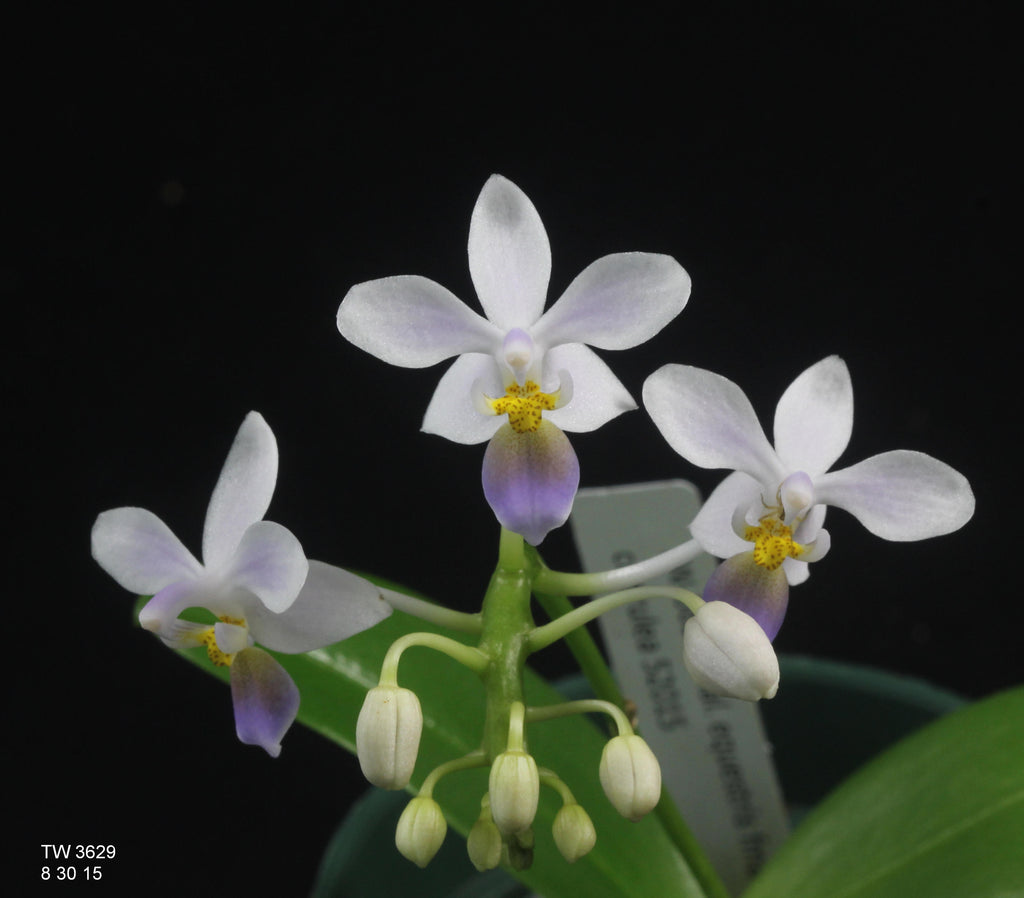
{"points": [[940, 814], [629, 859]]}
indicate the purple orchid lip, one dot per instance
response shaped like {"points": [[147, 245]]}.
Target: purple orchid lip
{"points": [[265, 698], [530, 479], [743, 583]]}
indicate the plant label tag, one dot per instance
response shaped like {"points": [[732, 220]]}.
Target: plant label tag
{"points": [[715, 759]]}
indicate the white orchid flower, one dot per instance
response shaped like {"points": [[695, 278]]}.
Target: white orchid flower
{"points": [[777, 496], [255, 580], [536, 367]]}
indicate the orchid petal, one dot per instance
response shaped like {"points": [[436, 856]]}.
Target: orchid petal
{"points": [[160, 613], [901, 495], [332, 606], [509, 255], [530, 479], [265, 697], [617, 302], [809, 528], [452, 413], [712, 526], [743, 583], [796, 571], [709, 421], [269, 563], [181, 634], [816, 550], [140, 552], [597, 394], [413, 322], [243, 491], [816, 540], [814, 417]]}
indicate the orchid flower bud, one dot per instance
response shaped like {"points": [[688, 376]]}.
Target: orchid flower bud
{"points": [[484, 844], [574, 832], [514, 790], [630, 776], [421, 830], [727, 653], [388, 736]]}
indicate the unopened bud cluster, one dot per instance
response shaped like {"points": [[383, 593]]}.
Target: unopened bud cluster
{"points": [[387, 742]]}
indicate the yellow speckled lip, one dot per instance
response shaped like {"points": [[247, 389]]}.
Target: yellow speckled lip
{"points": [[773, 542], [523, 405]]}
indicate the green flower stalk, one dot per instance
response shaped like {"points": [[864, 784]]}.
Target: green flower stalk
{"points": [[629, 773]]}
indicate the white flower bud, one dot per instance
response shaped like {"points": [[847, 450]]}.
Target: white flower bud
{"points": [[630, 776], [421, 830], [574, 832], [388, 736], [727, 653], [484, 844], [514, 790]]}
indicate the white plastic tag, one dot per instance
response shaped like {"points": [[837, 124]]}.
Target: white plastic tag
{"points": [[716, 762]]}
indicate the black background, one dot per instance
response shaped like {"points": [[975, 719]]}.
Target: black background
{"points": [[191, 195]]}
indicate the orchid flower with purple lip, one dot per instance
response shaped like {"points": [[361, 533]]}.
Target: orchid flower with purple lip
{"points": [[777, 496], [536, 367], [256, 581]]}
